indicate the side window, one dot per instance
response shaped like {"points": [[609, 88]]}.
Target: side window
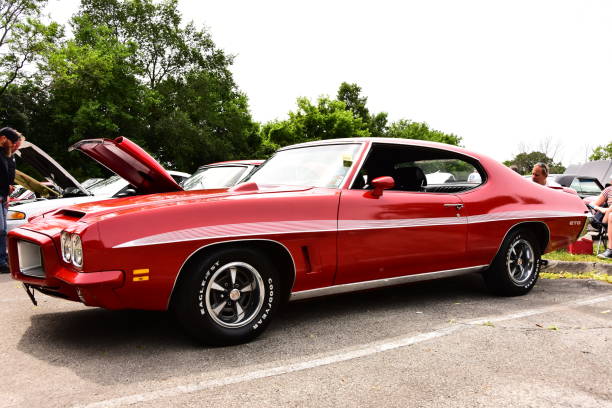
{"points": [[420, 169]]}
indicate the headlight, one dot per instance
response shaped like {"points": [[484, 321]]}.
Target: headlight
{"points": [[72, 248], [15, 215], [66, 246], [77, 250]]}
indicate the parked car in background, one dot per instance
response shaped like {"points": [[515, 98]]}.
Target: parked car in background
{"points": [[585, 186], [28, 189], [599, 169], [220, 175], [51, 171], [316, 219], [68, 190]]}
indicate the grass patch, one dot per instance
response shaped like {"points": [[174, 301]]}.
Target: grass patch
{"points": [[567, 275], [563, 255]]}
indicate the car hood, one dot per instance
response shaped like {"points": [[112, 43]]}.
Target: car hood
{"points": [[35, 208], [34, 185], [92, 211], [131, 162], [48, 167]]}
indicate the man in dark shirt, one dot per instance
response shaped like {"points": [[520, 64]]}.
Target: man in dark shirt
{"points": [[10, 141]]}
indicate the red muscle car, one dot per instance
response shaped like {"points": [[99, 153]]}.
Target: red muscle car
{"points": [[316, 219]]}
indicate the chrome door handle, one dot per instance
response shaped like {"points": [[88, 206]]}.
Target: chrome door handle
{"points": [[457, 206]]}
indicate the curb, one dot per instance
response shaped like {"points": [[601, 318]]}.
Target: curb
{"points": [[578, 267]]}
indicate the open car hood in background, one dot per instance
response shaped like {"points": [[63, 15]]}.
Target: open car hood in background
{"points": [[48, 167], [34, 185], [131, 162]]}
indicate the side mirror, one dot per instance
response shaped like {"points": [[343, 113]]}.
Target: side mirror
{"points": [[380, 184]]}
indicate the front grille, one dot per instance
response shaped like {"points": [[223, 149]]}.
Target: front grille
{"points": [[30, 260]]}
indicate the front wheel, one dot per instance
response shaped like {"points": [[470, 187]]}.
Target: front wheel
{"points": [[516, 267], [228, 297]]}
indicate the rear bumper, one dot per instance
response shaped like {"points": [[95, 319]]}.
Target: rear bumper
{"points": [[59, 280]]}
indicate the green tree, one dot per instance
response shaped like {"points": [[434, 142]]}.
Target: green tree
{"points": [[327, 119], [350, 94], [134, 69], [407, 129], [201, 120], [24, 40], [525, 162], [602, 152], [165, 48], [94, 93], [192, 110], [346, 116]]}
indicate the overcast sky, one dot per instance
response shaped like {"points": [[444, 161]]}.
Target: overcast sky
{"points": [[500, 74]]}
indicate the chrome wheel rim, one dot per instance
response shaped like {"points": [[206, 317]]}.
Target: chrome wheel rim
{"points": [[520, 261], [235, 295]]}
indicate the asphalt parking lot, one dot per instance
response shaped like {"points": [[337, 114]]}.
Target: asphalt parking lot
{"points": [[432, 344]]}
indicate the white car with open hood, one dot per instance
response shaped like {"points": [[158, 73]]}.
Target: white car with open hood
{"points": [[73, 192]]}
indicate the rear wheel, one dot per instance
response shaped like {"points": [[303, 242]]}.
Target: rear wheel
{"points": [[516, 267], [228, 297]]}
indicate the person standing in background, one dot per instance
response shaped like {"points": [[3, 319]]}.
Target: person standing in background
{"points": [[10, 141]]}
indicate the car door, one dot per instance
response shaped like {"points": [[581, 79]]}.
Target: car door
{"points": [[399, 233], [413, 227]]}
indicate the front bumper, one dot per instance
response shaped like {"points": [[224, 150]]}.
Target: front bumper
{"points": [[54, 278]]}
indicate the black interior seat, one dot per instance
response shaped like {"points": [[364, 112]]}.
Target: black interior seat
{"points": [[409, 179]]}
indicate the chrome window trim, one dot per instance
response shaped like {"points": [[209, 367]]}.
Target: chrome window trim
{"points": [[364, 156], [379, 283], [478, 166]]}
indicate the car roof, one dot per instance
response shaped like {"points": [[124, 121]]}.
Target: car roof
{"points": [[389, 140]]}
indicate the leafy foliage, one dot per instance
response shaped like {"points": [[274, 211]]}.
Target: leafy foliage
{"points": [[24, 40], [350, 94], [526, 161], [602, 152], [346, 116], [133, 68], [413, 130]]}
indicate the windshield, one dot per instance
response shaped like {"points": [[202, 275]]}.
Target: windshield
{"points": [[108, 187], [214, 177], [586, 186], [316, 166]]}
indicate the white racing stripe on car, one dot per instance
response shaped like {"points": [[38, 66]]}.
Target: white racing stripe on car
{"points": [[361, 351], [235, 230], [523, 215], [316, 226], [350, 225]]}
